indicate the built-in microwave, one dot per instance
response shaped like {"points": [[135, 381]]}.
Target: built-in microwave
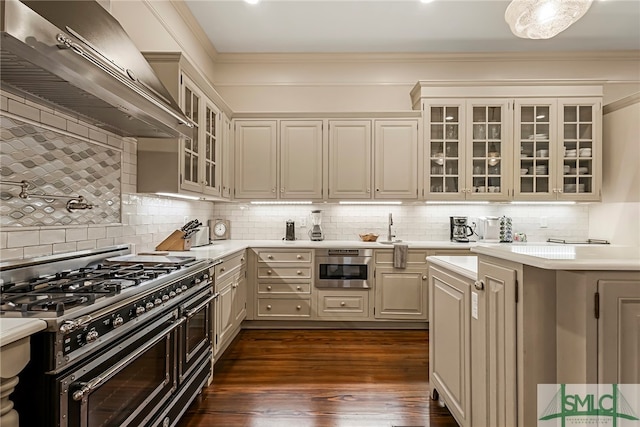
{"points": [[343, 268]]}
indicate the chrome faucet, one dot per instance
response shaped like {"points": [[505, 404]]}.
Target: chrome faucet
{"points": [[390, 236]]}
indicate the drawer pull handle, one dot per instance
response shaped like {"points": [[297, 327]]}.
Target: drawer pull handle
{"points": [[299, 256], [268, 288], [342, 304], [242, 259], [270, 256], [299, 288], [268, 271], [479, 285], [298, 307], [268, 307], [424, 277], [298, 272], [221, 269]]}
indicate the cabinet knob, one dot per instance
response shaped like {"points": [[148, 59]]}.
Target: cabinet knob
{"points": [[299, 256], [368, 190], [270, 256], [298, 272], [268, 288], [273, 190], [221, 269], [298, 288], [479, 285], [282, 190], [269, 271], [342, 304], [268, 307], [424, 277], [242, 259], [298, 307]]}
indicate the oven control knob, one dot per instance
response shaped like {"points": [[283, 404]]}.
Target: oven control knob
{"points": [[157, 301], [172, 294], [178, 290], [140, 310], [149, 306], [118, 321], [91, 336], [184, 287], [165, 298], [196, 280]]}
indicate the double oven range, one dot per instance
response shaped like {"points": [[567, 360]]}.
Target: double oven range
{"points": [[128, 338]]}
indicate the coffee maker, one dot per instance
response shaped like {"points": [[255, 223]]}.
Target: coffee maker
{"points": [[459, 231]]}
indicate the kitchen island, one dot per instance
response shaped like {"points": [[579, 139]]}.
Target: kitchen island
{"points": [[537, 314]]}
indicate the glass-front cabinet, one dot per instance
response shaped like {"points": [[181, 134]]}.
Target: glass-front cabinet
{"points": [[466, 154], [200, 154], [558, 146], [444, 153], [579, 149]]}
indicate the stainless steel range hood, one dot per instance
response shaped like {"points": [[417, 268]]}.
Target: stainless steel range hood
{"points": [[73, 55]]}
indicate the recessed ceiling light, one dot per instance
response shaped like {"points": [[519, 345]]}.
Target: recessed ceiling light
{"points": [[252, 1], [426, 1]]}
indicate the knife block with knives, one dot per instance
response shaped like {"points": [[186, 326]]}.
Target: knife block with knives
{"points": [[180, 240]]}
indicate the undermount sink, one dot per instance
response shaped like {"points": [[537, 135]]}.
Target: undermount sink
{"points": [[390, 242]]}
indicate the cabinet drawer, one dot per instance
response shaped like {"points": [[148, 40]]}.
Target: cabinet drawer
{"points": [[291, 256], [413, 257], [284, 272], [284, 288], [229, 265], [292, 307], [343, 304]]}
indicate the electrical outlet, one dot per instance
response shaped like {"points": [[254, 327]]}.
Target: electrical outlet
{"points": [[303, 221], [544, 223]]}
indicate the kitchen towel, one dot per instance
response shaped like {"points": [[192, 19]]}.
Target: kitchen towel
{"points": [[400, 255]]}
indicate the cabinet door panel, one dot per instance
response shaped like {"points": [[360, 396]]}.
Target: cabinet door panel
{"points": [[255, 160], [301, 159], [400, 294], [224, 313], [350, 159], [449, 336], [191, 103], [619, 332], [396, 159]]}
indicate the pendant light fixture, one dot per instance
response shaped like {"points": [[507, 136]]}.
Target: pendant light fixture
{"points": [[543, 19]]}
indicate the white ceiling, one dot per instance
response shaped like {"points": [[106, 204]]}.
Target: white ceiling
{"points": [[365, 26]]}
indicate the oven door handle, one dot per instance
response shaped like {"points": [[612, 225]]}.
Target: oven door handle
{"points": [[88, 387], [193, 311]]}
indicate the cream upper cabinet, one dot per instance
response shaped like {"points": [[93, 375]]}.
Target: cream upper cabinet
{"points": [[278, 159], [301, 159], [188, 165], [349, 159], [466, 155], [559, 149], [396, 159], [256, 155], [580, 148], [488, 169], [227, 157]]}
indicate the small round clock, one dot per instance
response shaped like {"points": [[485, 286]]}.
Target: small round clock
{"points": [[221, 229]]}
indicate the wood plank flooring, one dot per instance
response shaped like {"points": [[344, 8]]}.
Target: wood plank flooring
{"points": [[321, 378]]}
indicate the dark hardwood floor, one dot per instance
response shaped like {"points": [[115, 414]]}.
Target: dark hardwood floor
{"points": [[321, 378]]}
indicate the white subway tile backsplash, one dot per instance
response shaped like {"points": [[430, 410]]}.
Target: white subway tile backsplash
{"points": [[10, 254], [50, 236], [101, 243], [4, 103], [61, 248], [38, 251], [52, 120], [3, 239], [76, 234], [18, 239], [86, 245], [95, 233], [114, 231], [96, 135], [78, 129], [23, 110]]}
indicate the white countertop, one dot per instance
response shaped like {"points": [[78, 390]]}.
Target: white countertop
{"points": [[466, 266], [222, 248], [12, 330], [566, 257]]}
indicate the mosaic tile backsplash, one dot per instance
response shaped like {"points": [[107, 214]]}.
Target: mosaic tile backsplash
{"points": [[58, 164]]}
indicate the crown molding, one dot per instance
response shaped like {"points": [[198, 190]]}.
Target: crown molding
{"points": [[185, 13], [622, 55], [621, 103]]}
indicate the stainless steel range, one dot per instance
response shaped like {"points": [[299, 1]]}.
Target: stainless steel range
{"points": [[128, 341]]}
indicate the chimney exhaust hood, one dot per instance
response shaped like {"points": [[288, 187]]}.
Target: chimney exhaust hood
{"points": [[75, 57]]}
